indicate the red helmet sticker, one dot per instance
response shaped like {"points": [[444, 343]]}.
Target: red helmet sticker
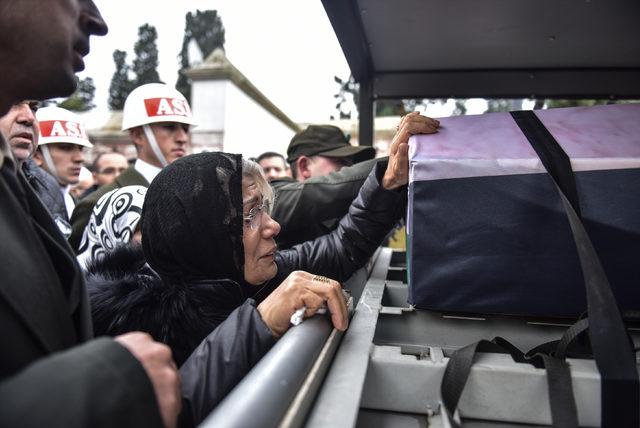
{"points": [[62, 128], [167, 107]]}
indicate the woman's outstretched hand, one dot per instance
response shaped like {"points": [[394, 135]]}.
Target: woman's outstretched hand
{"points": [[397, 173], [303, 289]]}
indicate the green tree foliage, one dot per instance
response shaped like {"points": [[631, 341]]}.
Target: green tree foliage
{"points": [[121, 85], [494, 105], [390, 108], [500, 104], [575, 103], [460, 107], [144, 68], [349, 95], [540, 103], [205, 27], [145, 64], [82, 98]]}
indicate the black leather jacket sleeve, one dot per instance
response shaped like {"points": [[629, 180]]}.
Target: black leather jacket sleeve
{"points": [[221, 361], [339, 254], [309, 209]]}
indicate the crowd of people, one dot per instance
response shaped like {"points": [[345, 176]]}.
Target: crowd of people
{"points": [[187, 268]]}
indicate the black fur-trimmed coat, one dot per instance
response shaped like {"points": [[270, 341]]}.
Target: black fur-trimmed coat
{"points": [[127, 295]]}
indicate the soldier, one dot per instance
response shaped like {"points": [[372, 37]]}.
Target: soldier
{"points": [[158, 118], [60, 151]]}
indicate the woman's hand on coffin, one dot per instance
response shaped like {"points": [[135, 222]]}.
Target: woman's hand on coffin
{"points": [[302, 289], [397, 173]]}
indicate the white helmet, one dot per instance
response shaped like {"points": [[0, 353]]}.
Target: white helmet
{"points": [[58, 125], [155, 102]]}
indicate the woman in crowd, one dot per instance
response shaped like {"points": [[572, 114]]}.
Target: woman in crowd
{"points": [[113, 222], [207, 234]]}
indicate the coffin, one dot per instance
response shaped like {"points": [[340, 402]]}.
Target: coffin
{"points": [[486, 231]]}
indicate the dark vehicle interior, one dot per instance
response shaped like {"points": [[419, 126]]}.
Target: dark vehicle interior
{"points": [[490, 49]]}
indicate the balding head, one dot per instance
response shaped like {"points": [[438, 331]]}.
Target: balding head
{"points": [[107, 166]]}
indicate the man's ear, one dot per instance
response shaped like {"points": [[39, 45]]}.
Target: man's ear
{"points": [[137, 137], [302, 164], [37, 158]]}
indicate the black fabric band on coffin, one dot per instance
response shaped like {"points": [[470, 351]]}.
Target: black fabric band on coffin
{"points": [[609, 340], [554, 159]]}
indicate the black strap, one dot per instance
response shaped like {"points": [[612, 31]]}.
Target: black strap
{"points": [[569, 336], [561, 348], [554, 159], [609, 340], [561, 400], [455, 377]]}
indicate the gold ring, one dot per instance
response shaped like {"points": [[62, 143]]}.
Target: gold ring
{"points": [[321, 278]]}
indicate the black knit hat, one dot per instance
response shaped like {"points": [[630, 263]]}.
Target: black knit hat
{"points": [[326, 140]]}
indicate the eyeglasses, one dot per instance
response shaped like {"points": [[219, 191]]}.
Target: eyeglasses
{"points": [[254, 218]]}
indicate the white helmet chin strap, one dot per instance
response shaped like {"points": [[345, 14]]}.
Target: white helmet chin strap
{"points": [[154, 145], [49, 161]]}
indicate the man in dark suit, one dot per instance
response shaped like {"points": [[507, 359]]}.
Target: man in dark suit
{"points": [[158, 118], [51, 371], [21, 129]]}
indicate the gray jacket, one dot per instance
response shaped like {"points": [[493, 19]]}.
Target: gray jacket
{"points": [[48, 190]]}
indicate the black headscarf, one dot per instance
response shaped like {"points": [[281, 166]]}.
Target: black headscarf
{"points": [[192, 219]]}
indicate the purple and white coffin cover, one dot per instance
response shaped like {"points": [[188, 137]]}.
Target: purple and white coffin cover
{"points": [[485, 226]]}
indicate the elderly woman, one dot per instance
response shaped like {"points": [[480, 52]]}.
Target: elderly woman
{"points": [[207, 233]]}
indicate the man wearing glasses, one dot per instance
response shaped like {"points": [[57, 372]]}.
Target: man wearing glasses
{"points": [[105, 169]]}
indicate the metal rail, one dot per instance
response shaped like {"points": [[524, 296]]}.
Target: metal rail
{"points": [[280, 389], [338, 404], [264, 395]]}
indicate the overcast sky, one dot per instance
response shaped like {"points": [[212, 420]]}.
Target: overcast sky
{"points": [[287, 48]]}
